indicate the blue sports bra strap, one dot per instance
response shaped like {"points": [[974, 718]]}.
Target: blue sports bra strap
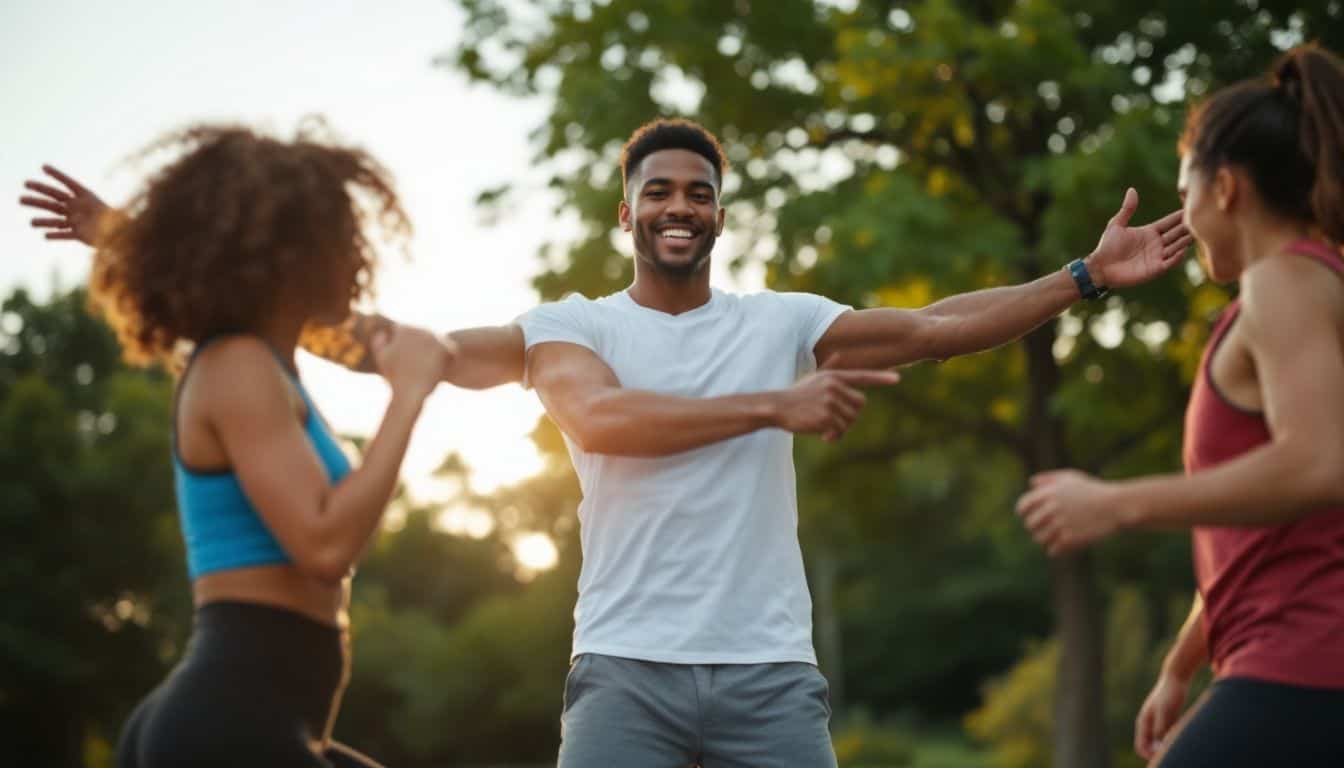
{"points": [[285, 364], [196, 350], [216, 336]]}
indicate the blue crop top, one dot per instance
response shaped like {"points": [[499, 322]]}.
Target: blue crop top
{"points": [[221, 528]]}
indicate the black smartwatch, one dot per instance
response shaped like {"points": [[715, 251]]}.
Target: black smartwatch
{"points": [[1089, 290]]}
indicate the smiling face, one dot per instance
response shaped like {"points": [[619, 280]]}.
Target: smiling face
{"points": [[673, 211]]}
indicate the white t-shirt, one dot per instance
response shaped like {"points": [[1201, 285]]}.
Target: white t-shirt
{"points": [[693, 558]]}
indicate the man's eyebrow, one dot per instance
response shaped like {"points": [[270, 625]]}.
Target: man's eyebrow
{"points": [[663, 181]]}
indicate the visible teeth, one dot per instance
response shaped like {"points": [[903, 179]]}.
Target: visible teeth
{"points": [[683, 234]]}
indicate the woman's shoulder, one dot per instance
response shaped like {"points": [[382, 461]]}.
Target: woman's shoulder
{"points": [[1291, 288], [237, 371]]}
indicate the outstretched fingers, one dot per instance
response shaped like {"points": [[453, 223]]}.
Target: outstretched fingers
{"points": [[868, 378], [1169, 223], [43, 203], [1177, 248], [71, 184], [58, 195], [1127, 208]]}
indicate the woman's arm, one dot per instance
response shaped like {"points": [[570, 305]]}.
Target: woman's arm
{"points": [[323, 527], [1292, 318]]}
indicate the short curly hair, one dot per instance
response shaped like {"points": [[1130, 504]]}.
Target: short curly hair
{"points": [[671, 133], [216, 236]]}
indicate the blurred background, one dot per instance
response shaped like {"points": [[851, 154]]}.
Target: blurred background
{"points": [[884, 153]]}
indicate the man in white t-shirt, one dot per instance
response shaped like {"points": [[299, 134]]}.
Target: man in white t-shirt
{"points": [[693, 637]]}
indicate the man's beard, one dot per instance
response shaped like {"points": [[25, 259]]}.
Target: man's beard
{"points": [[646, 250]]}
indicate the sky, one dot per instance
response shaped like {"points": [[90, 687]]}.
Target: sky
{"points": [[86, 85]]}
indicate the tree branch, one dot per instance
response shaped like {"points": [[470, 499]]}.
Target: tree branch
{"points": [[848, 134], [987, 427], [875, 454], [1110, 454]]}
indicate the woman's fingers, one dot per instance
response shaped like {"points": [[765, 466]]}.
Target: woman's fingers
{"points": [[43, 203]]}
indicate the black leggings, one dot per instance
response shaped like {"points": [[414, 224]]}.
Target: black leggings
{"points": [[1246, 722], [255, 688]]}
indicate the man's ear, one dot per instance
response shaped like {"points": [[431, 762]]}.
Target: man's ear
{"points": [[718, 224], [623, 215]]}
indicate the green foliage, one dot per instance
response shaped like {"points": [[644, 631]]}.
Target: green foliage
{"points": [[91, 571], [455, 660], [1016, 718], [862, 744], [1018, 712], [889, 154], [865, 746], [484, 689], [884, 154]]}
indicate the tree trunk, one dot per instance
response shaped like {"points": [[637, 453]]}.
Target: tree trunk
{"points": [[829, 647], [1080, 719], [1080, 725]]}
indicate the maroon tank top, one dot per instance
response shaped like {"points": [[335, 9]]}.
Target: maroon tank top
{"points": [[1273, 597]]}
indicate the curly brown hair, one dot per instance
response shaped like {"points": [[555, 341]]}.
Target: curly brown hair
{"points": [[237, 222]]}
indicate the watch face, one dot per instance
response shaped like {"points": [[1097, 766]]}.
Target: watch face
{"points": [[1088, 289]]}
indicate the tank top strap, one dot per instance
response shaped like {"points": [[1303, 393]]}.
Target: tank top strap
{"points": [[1319, 251], [1220, 328], [303, 393], [200, 346], [293, 376], [196, 351]]}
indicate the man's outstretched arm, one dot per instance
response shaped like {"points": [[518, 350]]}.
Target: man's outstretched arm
{"points": [[487, 356], [980, 320], [589, 404]]}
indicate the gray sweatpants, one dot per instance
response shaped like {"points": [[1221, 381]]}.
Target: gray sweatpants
{"points": [[626, 713]]}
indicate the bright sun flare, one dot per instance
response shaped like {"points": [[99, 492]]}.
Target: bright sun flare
{"points": [[535, 551]]}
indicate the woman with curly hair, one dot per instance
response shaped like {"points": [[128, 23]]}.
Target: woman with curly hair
{"points": [[230, 252], [1262, 176]]}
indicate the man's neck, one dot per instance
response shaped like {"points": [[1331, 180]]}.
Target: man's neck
{"points": [[670, 294]]}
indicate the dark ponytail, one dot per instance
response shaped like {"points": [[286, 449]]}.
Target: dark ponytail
{"points": [[1314, 78], [1286, 131]]}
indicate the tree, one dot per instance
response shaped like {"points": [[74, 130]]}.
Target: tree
{"points": [[456, 660], [896, 152], [92, 576]]}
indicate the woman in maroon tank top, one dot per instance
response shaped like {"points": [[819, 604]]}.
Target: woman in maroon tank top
{"points": [[1262, 176]]}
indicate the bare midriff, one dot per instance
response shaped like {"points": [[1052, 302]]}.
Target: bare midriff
{"points": [[281, 586]]}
